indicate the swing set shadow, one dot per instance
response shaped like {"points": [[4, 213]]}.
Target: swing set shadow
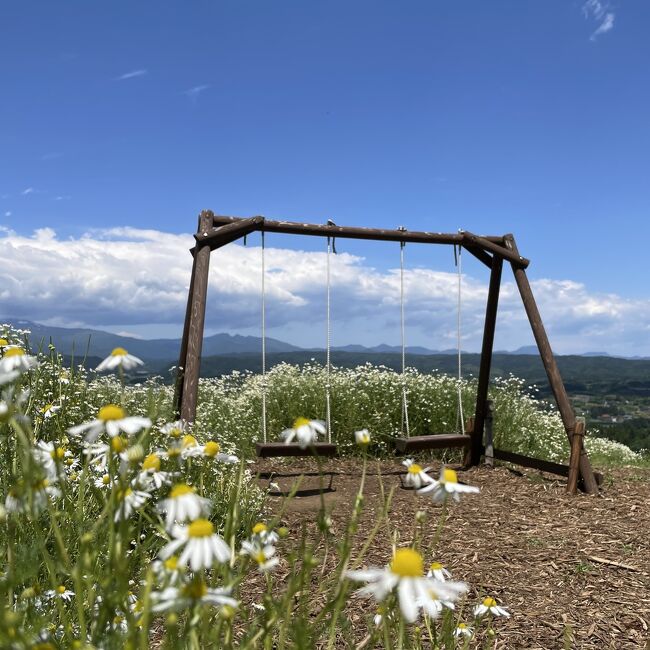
{"points": [[216, 231]]}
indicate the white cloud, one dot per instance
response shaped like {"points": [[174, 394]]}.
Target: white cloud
{"points": [[600, 13], [127, 278], [131, 75], [193, 93], [28, 190], [8, 213]]}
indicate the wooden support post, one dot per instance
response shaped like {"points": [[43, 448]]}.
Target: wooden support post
{"points": [[474, 455], [489, 433], [550, 365], [182, 357], [199, 292], [576, 452]]}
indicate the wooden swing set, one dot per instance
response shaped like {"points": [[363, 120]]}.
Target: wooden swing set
{"points": [[216, 231]]}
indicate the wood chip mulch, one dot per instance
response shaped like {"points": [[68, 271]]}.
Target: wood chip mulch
{"points": [[574, 571]]}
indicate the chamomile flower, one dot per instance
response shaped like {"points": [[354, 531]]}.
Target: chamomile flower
{"points": [[60, 592], [437, 571], [175, 429], [49, 456], [210, 449], [489, 605], [168, 571], [178, 598], [119, 357], [447, 485], [263, 554], [201, 545], [113, 420], [151, 473], [47, 411], [103, 482], [304, 431], [128, 501], [362, 438], [16, 359], [261, 532], [416, 476], [414, 591], [183, 504], [463, 629], [97, 455]]}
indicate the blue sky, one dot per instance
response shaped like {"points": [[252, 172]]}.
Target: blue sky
{"points": [[528, 117]]}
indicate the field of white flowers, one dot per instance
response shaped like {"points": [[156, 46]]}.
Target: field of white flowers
{"points": [[121, 527]]}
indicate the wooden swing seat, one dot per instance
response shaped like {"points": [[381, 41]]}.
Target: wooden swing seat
{"points": [[433, 441], [280, 449]]}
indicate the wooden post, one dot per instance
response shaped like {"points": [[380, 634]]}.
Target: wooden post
{"points": [[576, 452], [489, 434], [199, 292], [182, 357], [474, 455], [550, 365]]}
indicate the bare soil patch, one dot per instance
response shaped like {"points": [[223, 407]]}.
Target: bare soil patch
{"points": [[567, 567]]}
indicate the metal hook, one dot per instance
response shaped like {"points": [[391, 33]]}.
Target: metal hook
{"points": [[331, 223]]}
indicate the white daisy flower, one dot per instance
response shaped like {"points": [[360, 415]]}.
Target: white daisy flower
{"points": [[201, 545], [178, 598], [17, 498], [97, 455], [416, 476], [49, 456], [49, 410], [304, 431], [447, 485], [119, 357], [490, 605], [128, 501], [175, 429], [262, 533], [151, 473], [168, 571], [210, 449], [362, 437], [463, 630], [16, 359], [183, 504], [414, 591], [112, 419], [103, 482], [263, 554], [60, 592], [437, 571]]}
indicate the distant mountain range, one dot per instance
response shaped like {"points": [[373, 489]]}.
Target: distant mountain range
{"points": [[82, 342]]}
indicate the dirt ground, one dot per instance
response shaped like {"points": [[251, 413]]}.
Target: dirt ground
{"points": [[566, 567]]}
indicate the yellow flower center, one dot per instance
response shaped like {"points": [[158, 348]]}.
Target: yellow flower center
{"points": [[111, 412], [41, 485], [172, 452], [171, 563], [462, 626], [407, 563], [415, 468], [449, 476], [300, 422], [15, 352], [46, 408], [259, 527], [3, 342], [211, 448], [175, 432], [118, 444], [106, 479], [200, 528], [188, 441], [180, 490], [259, 557], [364, 438], [58, 453], [122, 494], [435, 566], [195, 590], [119, 352], [118, 619], [152, 461], [60, 589], [489, 602]]}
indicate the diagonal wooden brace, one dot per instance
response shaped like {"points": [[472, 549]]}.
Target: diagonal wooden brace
{"points": [[216, 238], [504, 253]]}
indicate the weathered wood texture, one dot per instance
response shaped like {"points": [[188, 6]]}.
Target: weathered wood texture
{"points": [[376, 234], [550, 365], [491, 308], [273, 449], [574, 461], [433, 441], [496, 249], [197, 321], [218, 237]]}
